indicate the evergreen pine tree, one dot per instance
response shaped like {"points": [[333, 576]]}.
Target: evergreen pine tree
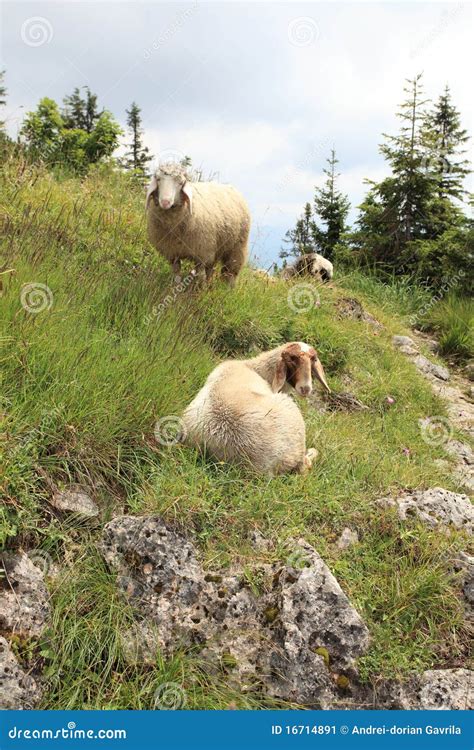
{"points": [[398, 210], [332, 208], [80, 112], [138, 155], [300, 239], [3, 94], [444, 139]]}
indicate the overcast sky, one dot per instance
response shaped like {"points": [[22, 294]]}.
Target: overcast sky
{"points": [[257, 92]]}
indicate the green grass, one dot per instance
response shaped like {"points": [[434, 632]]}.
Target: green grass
{"points": [[84, 383], [452, 320]]}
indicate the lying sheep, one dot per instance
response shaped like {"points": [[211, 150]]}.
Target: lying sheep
{"points": [[310, 264], [203, 222], [240, 415]]}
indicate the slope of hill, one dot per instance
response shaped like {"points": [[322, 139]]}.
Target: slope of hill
{"points": [[100, 350]]}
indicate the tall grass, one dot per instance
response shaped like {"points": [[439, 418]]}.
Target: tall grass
{"points": [[452, 320]]}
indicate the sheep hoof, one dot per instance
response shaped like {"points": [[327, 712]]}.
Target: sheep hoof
{"points": [[309, 458]]}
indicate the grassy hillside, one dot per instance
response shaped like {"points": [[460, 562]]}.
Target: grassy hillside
{"points": [[84, 383]]}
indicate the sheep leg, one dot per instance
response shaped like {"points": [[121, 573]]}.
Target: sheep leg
{"points": [[209, 273], [310, 457], [176, 266], [199, 274]]}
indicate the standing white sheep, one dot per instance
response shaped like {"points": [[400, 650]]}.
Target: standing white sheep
{"points": [[240, 415], [204, 222]]}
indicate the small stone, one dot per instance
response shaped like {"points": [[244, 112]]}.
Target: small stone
{"points": [[400, 341], [17, 689], [347, 538], [435, 507], [389, 400], [75, 500], [430, 368]]}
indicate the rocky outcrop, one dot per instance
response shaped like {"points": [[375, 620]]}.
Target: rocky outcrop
{"points": [[293, 640], [436, 689], [435, 507], [24, 598], [464, 564], [17, 689]]}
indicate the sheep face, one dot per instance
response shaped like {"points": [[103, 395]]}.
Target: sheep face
{"points": [[168, 189], [298, 363]]}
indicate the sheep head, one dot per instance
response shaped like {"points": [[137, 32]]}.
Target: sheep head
{"points": [[169, 187], [297, 364]]}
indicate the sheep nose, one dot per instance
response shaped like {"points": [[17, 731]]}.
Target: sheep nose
{"points": [[165, 203], [305, 390]]}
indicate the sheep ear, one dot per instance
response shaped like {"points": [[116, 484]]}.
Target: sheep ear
{"points": [[188, 195], [279, 379], [318, 372], [150, 190]]}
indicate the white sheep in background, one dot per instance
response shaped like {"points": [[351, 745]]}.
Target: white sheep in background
{"points": [[240, 415], [204, 222], [310, 264]]}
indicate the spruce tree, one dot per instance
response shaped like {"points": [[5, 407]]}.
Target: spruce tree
{"points": [[3, 94], [138, 156], [444, 138], [80, 112], [398, 210], [332, 208], [300, 239]]}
